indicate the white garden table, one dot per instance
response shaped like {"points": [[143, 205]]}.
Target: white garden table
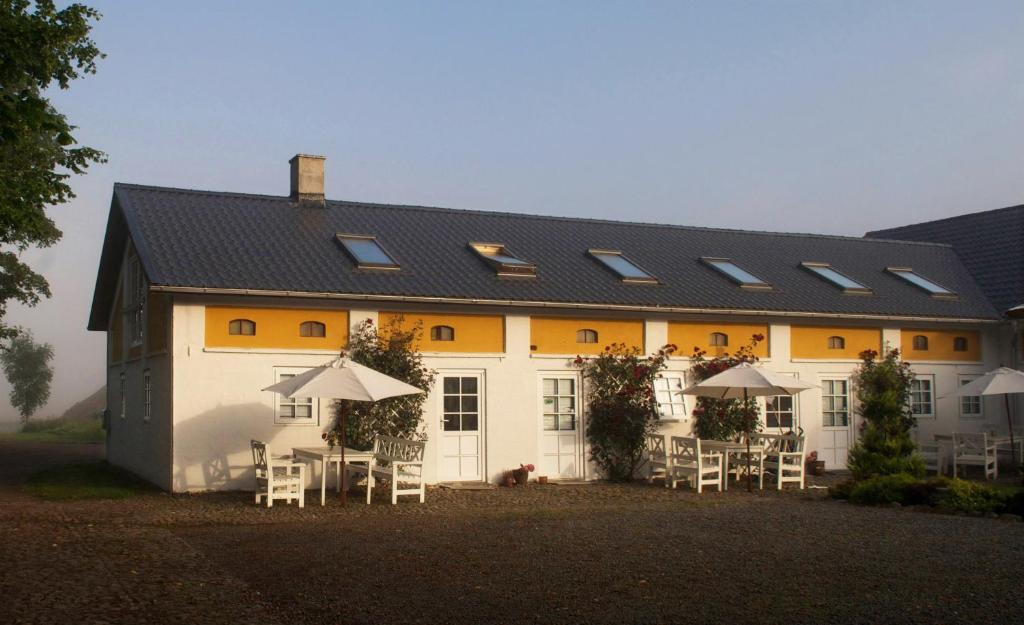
{"points": [[327, 455], [729, 447]]}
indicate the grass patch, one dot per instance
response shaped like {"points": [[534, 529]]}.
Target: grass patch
{"points": [[60, 431], [92, 480]]}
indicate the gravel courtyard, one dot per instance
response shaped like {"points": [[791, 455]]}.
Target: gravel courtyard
{"points": [[552, 554]]}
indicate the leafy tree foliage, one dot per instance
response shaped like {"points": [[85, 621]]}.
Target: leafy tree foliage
{"points": [[391, 351], [41, 47], [883, 396], [27, 367], [622, 409], [723, 419]]}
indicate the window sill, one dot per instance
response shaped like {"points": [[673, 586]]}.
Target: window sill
{"points": [[672, 420]]}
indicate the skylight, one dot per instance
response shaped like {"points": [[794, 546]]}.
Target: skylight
{"points": [[846, 283], [367, 252], [503, 260], [736, 273], [622, 266], [908, 274]]}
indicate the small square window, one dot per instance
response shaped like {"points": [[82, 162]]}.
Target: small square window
{"points": [[586, 336], [367, 252], [836, 342], [442, 333], [736, 273], [312, 329], [922, 400], [718, 339], [920, 343], [668, 393], [959, 344], [829, 274], [622, 266], [294, 410], [242, 327]]}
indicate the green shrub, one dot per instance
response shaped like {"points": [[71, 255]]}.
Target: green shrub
{"points": [[965, 496], [883, 489]]}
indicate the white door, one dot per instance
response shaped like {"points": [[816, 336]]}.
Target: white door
{"points": [[835, 412], [561, 445], [461, 426]]}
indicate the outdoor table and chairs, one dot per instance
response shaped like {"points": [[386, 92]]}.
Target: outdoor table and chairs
{"points": [[734, 458], [971, 449], [327, 455], [704, 462]]}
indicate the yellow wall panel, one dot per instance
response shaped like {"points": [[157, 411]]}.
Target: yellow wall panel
{"points": [[551, 335], [940, 345], [473, 333], [276, 328], [812, 342], [687, 335]]}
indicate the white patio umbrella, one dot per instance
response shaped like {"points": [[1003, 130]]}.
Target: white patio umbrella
{"points": [[1002, 381], [745, 381], [343, 379]]}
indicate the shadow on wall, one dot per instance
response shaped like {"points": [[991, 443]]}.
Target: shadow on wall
{"points": [[212, 450]]}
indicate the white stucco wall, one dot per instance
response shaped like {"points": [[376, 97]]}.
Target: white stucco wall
{"points": [[218, 406]]}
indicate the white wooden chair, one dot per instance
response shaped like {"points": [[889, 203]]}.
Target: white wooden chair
{"points": [[658, 460], [691, 464], [737, 463], [784, 457], [934, 456], [397, 460], [275, 478], [976, 450]]}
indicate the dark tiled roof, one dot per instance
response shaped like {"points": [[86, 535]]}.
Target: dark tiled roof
{"points": [[237, 241], [990, 244]]}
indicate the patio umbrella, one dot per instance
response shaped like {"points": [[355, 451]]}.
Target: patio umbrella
{"points": [[343, 379], [1002, 381], [743, 382]]}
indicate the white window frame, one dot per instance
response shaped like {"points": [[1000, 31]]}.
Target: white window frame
{"points": [[930, 379], [134, 301], [849, 403], [964, 379], [280, 401], [124, 395], [147, 395], [795, 409], [557, 414], [677, 408]]}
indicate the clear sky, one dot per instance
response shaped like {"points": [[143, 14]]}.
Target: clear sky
{"points": [[832, 117]]}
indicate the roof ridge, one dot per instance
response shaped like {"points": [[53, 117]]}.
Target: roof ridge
{"points": [[560, 218], [948, 219]]}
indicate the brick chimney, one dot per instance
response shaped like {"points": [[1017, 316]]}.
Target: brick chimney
{"points": [[307, 179]]}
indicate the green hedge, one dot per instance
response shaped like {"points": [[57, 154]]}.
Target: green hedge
{"points": [[952, 495]]}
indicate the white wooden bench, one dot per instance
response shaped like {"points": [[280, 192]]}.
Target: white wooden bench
{"points": [[977, 450], [699, 468], [658, 460], [783, 456], [397, 460], [275, 477]]}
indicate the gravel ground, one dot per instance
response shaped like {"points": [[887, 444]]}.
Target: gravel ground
{"points": [[554, 554]]}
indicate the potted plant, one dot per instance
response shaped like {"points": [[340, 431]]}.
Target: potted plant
{"points": [[522, 474], [815, 466], [333, 438], [508, 479]]}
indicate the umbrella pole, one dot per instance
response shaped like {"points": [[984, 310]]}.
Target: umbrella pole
{"points": [[344, 473], [746, 427], [1009, 422]]}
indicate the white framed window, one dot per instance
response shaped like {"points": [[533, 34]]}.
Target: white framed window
{"points": [[124, 396], [134, 300], [971, 406], [780, 412], [147, 396], [922, 396], [668, 392], [294, 410], [835, 402], [559, 404]]}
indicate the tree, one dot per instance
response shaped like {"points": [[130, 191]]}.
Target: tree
{"points": [[883, 397], [38, 153], [27, 367], [723, 419], [623, 410], [391, 351]]}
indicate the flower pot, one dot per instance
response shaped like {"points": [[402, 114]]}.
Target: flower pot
{"points": [[542, 479], [522, 476], [818, 467], [510, 481]]}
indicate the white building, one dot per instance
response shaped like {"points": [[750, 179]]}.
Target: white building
{"points": [[208, 297]]}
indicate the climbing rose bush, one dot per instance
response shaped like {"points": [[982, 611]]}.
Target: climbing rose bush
{"points": [[622, 409], [723, 419]]}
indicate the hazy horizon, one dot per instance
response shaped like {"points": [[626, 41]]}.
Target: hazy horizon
{"points": [[835, 118]]}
